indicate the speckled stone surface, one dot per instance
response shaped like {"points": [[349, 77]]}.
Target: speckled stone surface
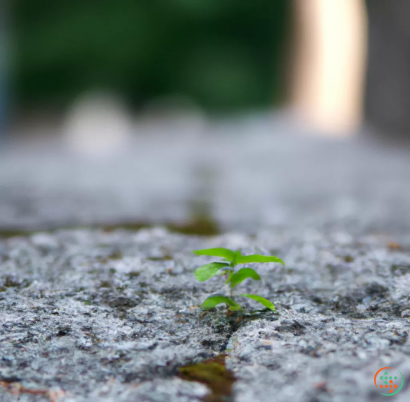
{"points": [[112, 316], [97, 315]]}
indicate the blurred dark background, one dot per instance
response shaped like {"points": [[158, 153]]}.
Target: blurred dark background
{"points": [[220, 56], [225, 55]]}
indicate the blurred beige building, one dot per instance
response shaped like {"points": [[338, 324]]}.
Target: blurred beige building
{"points": [[329, 63]]}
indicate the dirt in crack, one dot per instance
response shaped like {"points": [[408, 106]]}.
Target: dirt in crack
{"points": [[214, 374], [198, 226]]}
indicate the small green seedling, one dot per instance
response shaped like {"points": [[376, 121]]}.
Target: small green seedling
{"points": [[233, 278]]}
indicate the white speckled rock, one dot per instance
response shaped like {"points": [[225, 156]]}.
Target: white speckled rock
{"points": [[102, 317]]}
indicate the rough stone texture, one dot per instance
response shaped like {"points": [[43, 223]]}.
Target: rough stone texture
{"points": [[111, 316]]}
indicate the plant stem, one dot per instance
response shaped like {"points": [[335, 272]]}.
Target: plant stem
{"points": [[231, 293], [228, 288]]}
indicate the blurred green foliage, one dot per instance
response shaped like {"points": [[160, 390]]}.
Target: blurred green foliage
{"points": [[225, 54]]}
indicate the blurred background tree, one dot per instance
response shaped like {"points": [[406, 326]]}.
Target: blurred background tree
{"points": [[224, 55]]}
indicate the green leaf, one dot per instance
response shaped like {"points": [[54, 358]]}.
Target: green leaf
{"points": [[243, 274], [217, 252], [229, 277], [261, 300], [213, 301], [243, 259], [209, 270], [237, 255]]}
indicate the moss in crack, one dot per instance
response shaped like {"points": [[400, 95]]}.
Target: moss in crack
{"points": [[105, 284], [10, 281], [165, 257], [9, 233], [214, 374], [133, 274], [197, 226], [348, 258], [115, 255]]}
